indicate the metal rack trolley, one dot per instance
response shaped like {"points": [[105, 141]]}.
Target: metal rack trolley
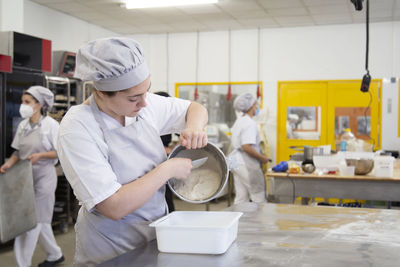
{"points": [[65, 202]]}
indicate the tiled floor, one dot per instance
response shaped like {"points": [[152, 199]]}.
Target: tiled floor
{"points": [[67, 241]]}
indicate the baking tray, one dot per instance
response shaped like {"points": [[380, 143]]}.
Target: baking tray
{"points": [[17, 201]]}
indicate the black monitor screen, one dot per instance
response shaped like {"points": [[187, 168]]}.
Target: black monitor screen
{"points": [[27, 51], [69, 65]]}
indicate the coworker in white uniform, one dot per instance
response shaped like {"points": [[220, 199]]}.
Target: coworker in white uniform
{"points": [[111, 152], [248, 178], [35, 140], [291, 126]]}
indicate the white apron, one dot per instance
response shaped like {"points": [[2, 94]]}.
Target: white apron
{"points": [[255, 178], [133, 151], [44, 174]]}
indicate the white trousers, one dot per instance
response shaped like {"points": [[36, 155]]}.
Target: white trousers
{"points": [[24, 245], [243, 190]]}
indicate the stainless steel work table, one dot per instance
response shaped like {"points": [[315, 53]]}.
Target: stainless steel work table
{"points": [[293, 235], [284, 187]]}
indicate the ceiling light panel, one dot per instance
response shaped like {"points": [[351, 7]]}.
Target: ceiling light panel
{"points": [[161, 12], [235, 5], [130, 4]]}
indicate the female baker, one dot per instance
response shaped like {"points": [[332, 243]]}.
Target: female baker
{"points": [[35, 140], [248, 178], [111, 152]]}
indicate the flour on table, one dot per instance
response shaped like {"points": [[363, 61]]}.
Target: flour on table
{"points": [[201, 184]]}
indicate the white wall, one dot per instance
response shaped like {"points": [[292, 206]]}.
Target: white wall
{"points": [[158, 64], [65, 32], [301, 53], [183, 59], [11, 15]]}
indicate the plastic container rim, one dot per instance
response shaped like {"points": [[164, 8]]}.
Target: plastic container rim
{"points": [[157, 223]]}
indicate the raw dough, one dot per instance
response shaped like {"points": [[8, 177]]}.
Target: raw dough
{"points": [[201, 184]]}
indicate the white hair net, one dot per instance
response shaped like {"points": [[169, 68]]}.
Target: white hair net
{"points": [[244, 102], [43, 95], [113, 64]]}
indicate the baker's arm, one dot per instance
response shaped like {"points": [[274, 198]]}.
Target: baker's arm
{"points": [[193, 136], [253, 153], [9, 163], [133, 195], [35, 157]]}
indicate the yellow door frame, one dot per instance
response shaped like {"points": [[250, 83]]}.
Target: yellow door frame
{"points": [[398, 117], [328, 130], [356, 96], [303, 101]]}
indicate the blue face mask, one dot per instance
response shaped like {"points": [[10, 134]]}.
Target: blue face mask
{"points": [[257, 111]]}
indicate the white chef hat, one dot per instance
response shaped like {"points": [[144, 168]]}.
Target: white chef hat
{"points": [[43, 95], [244, 102], [113, 64]]}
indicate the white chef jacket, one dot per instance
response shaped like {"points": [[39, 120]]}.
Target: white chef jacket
{"points": [[48, 133], [90, 173], [245, 131]]}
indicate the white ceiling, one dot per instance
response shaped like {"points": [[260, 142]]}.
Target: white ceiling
{"points": [[227, 14]]}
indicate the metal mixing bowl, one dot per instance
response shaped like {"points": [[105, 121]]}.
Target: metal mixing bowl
{"points": [[216, 161], [362, 166]]}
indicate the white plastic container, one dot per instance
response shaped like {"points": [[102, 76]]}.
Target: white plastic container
{"points": [[383, 166], [200, 232]]}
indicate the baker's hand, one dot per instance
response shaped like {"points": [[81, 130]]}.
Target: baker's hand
{"points": [[4, 167], [34, 157], [192, 138], [178, 168], [264, 159]]}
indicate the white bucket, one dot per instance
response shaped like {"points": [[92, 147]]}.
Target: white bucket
{"points": [[383, 166]]}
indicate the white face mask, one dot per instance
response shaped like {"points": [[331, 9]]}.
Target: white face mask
{"points": [[26, 111]]}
